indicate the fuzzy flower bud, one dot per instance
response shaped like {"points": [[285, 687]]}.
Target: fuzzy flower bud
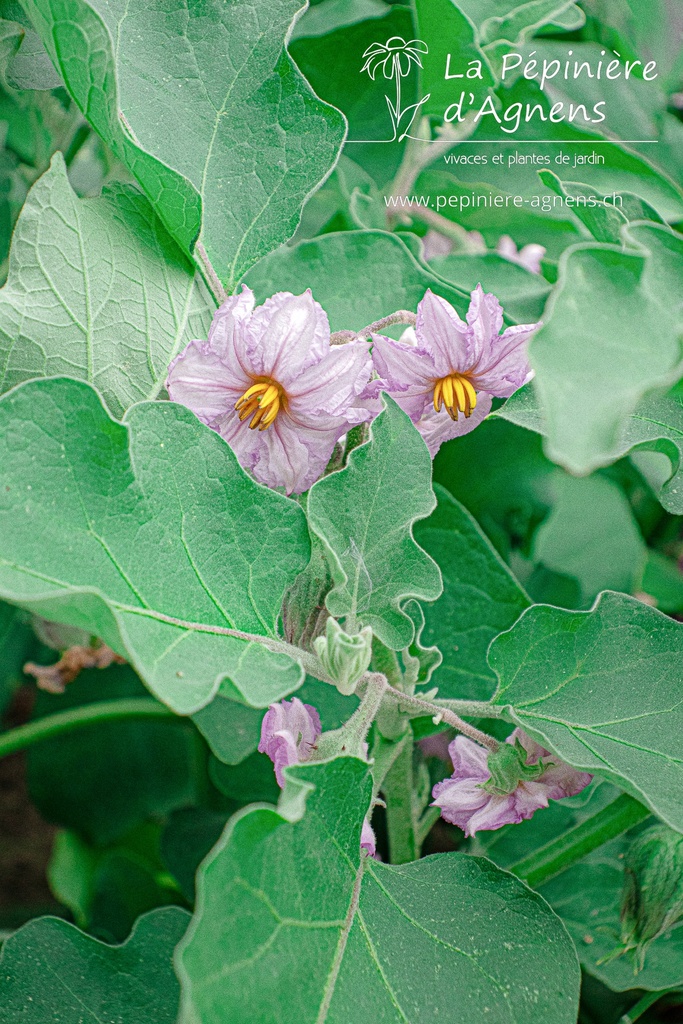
{"points": [[289, 733], [653, 890], [345, 658]]}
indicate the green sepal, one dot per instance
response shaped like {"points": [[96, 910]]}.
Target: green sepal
{"points": [[508, 768]]}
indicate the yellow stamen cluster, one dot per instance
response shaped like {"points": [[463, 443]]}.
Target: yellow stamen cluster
{"points": [[456, 393], [262, 401]]}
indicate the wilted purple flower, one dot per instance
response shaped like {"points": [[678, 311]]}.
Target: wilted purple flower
{"points": [[529, 256], [289, 733], [465, 803], [269, 382], [456, 367], [367, 839]]}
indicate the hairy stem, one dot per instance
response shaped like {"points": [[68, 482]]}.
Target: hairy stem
{"points": [[78, 718], [471, 708], [398, 793], [444, 714], [612, 821], [401, 316]]}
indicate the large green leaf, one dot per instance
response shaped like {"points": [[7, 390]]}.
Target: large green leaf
{"points": [[357, 276], [602, 689], [117, 527], [281, 933], [480, 599], [50, 970], [611, 333], [499, 473], [521, 293], [364, 516], [591, 534], [656, 425], [204, 105], [96, 289]]}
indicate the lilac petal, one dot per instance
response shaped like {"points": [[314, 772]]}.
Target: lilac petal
{"points": [[409, 374], [458, 800], [485, 318], [442, 333], [469, 759], [506, 368], [498, 811], [367, 839], [332, 384], [293, 455], [227, 328], [437, 427], [562, 780], [201, 380], [286, 335], [289, 732]]}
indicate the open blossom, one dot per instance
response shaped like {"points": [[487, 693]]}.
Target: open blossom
{"points": [[289, 733], [269, 382], [465, 803], [447, 381]]}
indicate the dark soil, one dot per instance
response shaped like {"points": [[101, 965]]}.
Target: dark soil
{"points": [[25, 838]]}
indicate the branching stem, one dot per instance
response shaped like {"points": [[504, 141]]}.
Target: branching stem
{"points": [[444, 714], [401, 316]]}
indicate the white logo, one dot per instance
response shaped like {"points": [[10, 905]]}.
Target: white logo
{"points": [[396, 58]]}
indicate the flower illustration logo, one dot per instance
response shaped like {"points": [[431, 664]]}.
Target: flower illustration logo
{"points": [[396, 58]]}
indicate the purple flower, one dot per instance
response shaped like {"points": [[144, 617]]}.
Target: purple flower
{"points": [[367, 839], [289, 733], [528, 257], [465, 803], [269, 382], [456, 367]]}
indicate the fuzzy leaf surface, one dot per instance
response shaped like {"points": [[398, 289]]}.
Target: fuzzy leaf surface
{"points": [[283, 933], [96, 289], [207, 110], [603, 690], [115, 527], [364, 515], [50, 970]]}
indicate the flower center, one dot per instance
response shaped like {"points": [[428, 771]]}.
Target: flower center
{"points": [[456, 393], [262, 401]]}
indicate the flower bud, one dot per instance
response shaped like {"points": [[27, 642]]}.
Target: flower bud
{"points": [[652, 899], [345, 658]]}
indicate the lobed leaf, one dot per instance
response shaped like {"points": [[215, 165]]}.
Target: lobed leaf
{"points": [[50, 970], [364, 515], [206, 109], [283, 933], [124, 529], [602, 689], [96, 289]]}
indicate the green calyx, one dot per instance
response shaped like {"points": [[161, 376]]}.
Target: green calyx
{"points": [[508, 768], [344, 657], [652, 898]]}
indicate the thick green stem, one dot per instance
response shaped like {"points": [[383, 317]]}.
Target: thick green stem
{"points": [[548, 861], [78, 718], [398, 793], [641, 1007]]}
